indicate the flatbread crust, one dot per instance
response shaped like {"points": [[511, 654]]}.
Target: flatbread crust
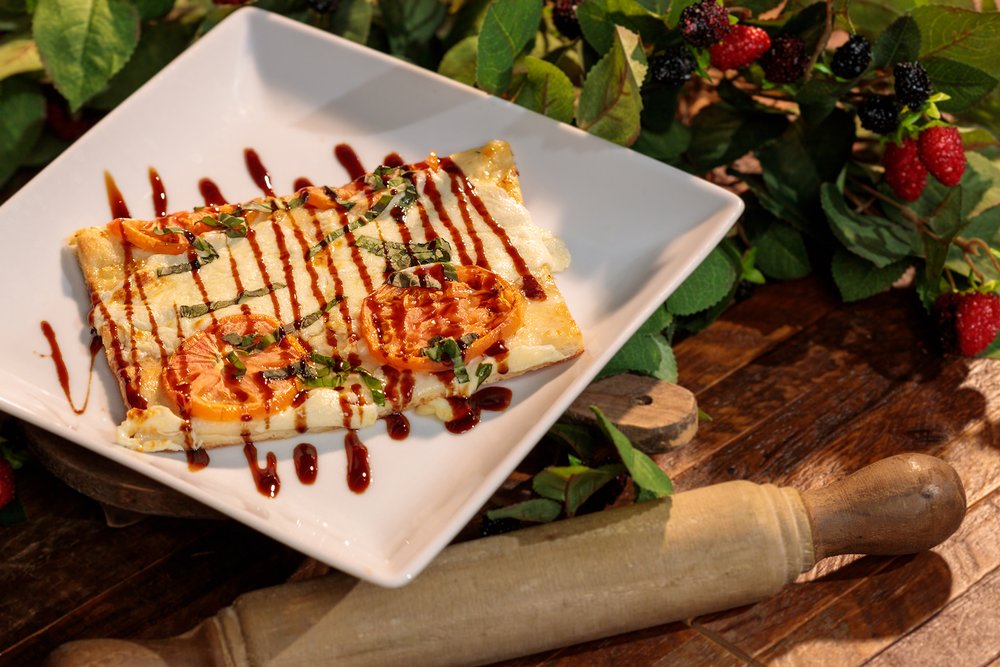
{"points": [[301, 255]]}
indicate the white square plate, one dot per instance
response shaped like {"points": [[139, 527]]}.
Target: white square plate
{"points": [[636, 228]]}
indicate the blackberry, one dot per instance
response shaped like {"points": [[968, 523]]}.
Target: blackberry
{"points": [[564, 18], [786, 60], [704, 23], [498, 526], [672, 67], [879, 114], [853, 58], [323, 6], [913, 86]]}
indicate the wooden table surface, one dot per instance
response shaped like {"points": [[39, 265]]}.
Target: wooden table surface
{"points": [[801, 391]]}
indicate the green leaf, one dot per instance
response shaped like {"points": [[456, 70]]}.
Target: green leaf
{"points": [[899, 43], [721, 133], [818, 98], [857, 278], [22, 113], [965, 84], [706, 286], [805, 157], [875, 17], [599, 19], [353, 20], [881, 241], [610, 104], [541, 86], [782, 253], [83, 43], [459, 63], [662, 137], [582, 485], [550, 484], [580, 438], [160, 43], [410, 26], [536, 510], [967, 37], [153, 9], [645, 354], [509, 25], [18, 54], [645, 473]]}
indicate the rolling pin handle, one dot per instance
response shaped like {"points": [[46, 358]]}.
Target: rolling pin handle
{"points": [[899, 505]]}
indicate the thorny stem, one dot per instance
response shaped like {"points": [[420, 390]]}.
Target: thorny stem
{"points": [[919, 221], [971, 247], [860, 205], [827, 30]]}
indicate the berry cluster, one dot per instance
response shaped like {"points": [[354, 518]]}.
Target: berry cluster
{"points": [[967, 321], [937, 150], [707, 25]]}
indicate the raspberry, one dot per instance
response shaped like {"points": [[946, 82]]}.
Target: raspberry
{"points": [[323, 6], [704, 23], [913, 86], [786, 60], [6, 482], [853, 58], [976, 320], [941, 152], [743, 45], [879, 113], [564, 18], [904, 172], [673, 67]]}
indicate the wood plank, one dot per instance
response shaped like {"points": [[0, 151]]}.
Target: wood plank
{"points": [[66, 575], [965, 632], [776, 312], [851, 614], [811, 385]]}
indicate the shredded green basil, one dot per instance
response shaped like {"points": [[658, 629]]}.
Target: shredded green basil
{"points": [[410, 278], [233, 226], [483, 372], [401, 256], [239, 368], [376, 181], [442, 349], [199, 309], [330, 372]]}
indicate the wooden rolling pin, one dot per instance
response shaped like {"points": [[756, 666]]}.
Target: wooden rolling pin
{"points": [[559, 584]]}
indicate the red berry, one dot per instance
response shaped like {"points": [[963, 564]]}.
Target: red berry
{"points": [[6, 482], [941, 152], [904, 172], [742, 46], [977, 320]]}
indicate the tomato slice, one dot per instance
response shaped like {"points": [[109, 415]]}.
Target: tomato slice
{"points": [[204, 384], [151, 235], [400, 322]]}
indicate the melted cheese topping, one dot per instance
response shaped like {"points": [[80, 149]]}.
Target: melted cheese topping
{"points": [[144, 311]]}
